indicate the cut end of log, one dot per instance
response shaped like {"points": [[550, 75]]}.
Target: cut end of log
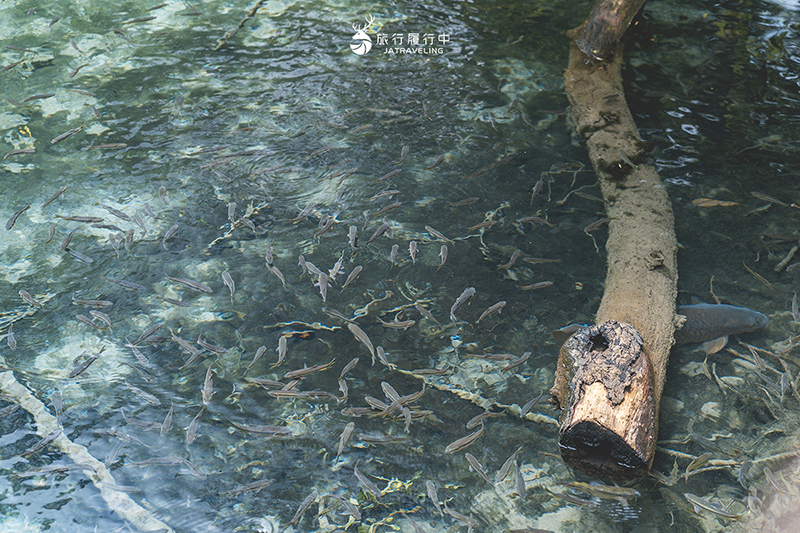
{"points": [[600, 452], [604, 386]]}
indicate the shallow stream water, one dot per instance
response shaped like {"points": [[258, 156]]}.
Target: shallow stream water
{"points": [[246, 146]]}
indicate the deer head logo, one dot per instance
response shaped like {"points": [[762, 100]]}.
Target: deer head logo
{"points": [[363, 42]]}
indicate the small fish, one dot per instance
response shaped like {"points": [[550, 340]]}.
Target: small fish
{"points": [[768, 198], [277, 273], [249, 487], [506, 468], [378, 232], [519, 482], [393, 253], [140, 222], [352, 238], [336, 269], [140, 19], [594, 225], [228, 281], [249, 223], [443, 255], [369, 485], [537, 187], [496, 308], [148, 332], [80, 256], [516, 362], [345, 437], [359, 334], [322, 282], [208, 386], [437, 234], [194, 285], [211, 347], [116, 212], [75, 71], [427, 314], [169, 233], [350, 509], [281, 349], [412, 251], [167, 424], [39, 97], [51, 231], [10, 339], [56, 194], [325, 223], [697, 463], [700, 504], [53, 435], [477, 467], [348, 367], [65, 243], [162, 193], [511, 261], [83, 219], [352, 276], [92, 303], [232, 212], [388, 175], [149, 211], [15, 216], [304, 213], [482, 225], [742, 477], [28, 299], [530, 405], [430, 488], [795, 309], [786, 380], [259, 352], [388, 208], [360, 128], [173, 301], [436, 163], [128, 239], [465, 201], [66, 134], [304, 505], [462, 300], [333, 313], [390, 193], [403, 154], [534, 286], [191, 431], [99, 315], [139, 355], [463, 442], [146, 396]]}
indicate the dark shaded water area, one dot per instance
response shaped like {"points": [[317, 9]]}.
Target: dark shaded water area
{"points": [[235, 156]]}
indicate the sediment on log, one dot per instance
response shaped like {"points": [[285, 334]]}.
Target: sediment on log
{"points": [[641, 279]]}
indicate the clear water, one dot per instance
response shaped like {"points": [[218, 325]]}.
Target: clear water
{"points": [[713, 89]]}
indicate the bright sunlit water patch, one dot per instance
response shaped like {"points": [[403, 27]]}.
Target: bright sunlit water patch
{"points": [[253, 146]]}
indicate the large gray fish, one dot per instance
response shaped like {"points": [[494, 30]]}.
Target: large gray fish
{"points": [[710, 321]]}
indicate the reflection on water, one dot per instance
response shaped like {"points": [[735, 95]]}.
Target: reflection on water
{"points": [[281, 144]]}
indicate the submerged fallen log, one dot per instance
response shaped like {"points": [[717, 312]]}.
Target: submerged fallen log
{"points": [[610, 377]]}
